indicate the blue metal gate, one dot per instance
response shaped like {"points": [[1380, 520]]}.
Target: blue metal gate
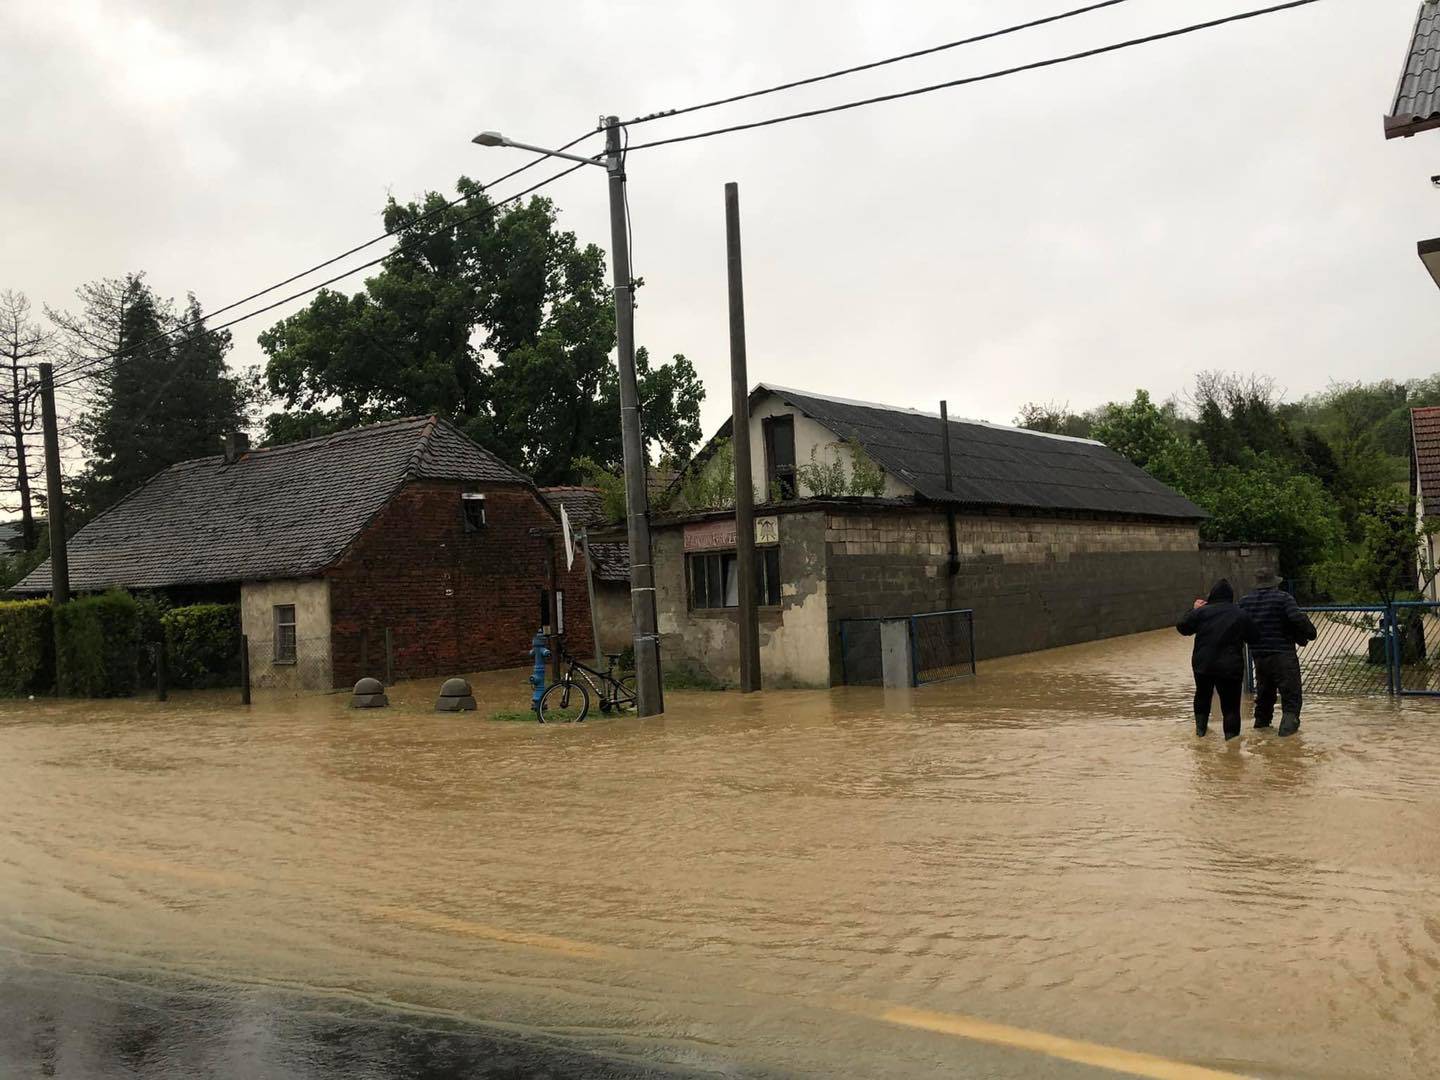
{"points": [[1373, 649]]}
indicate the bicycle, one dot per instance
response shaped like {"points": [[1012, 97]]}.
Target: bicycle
{"points": [[568, 701]]}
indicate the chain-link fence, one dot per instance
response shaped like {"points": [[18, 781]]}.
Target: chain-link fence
{"points": [[290, 663], [916, 649], [1351, 655]]}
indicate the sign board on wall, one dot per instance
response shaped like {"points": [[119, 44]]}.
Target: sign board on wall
{"points": [[720, 535]]}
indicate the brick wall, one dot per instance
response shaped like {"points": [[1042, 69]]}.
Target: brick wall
{"points": [[453, 601], [1034, 583]]}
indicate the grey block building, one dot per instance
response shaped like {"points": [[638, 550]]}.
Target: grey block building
{"points": [[1049, 540]]}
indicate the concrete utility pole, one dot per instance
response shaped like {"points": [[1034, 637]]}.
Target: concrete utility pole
{"points": [[637, 499], [949, 487], [740, 441], [59, 558]]}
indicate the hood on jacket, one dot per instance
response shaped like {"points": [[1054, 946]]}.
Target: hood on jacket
{"points": [[1222, 593]]}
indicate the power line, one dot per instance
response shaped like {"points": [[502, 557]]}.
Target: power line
{"points": [[1017, 28], [396, 250], [201, 319], [1052, 62]]}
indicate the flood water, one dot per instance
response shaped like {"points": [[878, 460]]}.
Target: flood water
{"points": [[1041, 872]]}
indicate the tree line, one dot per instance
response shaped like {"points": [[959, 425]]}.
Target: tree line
{"points": [[495, 318], [1326, 477]]}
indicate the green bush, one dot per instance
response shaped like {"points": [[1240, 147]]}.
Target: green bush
{"points": [[27, 647], [98, 646], [203, 645]]}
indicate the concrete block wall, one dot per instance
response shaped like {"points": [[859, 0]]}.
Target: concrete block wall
{"points": [[1034, 583]]}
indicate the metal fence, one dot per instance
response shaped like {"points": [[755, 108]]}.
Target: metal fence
{"points": [[1373, 649], [937, 645], [302, 663], [942, 645]]}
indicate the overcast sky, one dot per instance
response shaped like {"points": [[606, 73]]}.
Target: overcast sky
{"points": [[1222, 200]]}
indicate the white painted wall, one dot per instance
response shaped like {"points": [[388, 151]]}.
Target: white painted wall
{"points": [[809, 435], [311, 598]]}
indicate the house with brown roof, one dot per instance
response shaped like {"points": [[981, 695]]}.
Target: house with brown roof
{"points": [[402, 539], [1425, 484]]}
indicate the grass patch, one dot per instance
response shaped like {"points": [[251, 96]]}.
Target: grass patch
{"points": [[683, 678], [514, 716]]}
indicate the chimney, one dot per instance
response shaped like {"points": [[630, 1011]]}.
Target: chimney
{"points": [[236, 443]]}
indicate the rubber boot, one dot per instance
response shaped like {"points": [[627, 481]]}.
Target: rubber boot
{"points": [[1289, 724], [1202, 725], [1261, 723]]}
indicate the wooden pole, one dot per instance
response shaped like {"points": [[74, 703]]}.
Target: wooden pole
{"points": [[55, 495], [162, 671], [244, 669], [949, 487], [740, 443]]}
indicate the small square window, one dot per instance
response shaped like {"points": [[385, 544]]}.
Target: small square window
{"points": [[474, 509], [284, 633]]}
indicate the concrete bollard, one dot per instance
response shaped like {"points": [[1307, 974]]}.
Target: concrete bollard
{"points": [[369, 694], [455, 696]]}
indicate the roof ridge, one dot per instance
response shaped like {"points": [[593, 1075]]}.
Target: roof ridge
{"points": [[774, 389], [422, 447], [343, 435]]}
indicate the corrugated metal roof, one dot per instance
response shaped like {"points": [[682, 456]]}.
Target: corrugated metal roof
{"points": [[994, 465], [1416, 106], [1425, 433], [277, 512]]}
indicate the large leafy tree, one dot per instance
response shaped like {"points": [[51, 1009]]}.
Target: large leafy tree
{"points": [[494, 318], [161, 391]]}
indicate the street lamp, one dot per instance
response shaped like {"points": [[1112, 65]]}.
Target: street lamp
{"points": [[650, 699]]}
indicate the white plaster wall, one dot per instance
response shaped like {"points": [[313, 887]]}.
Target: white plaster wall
{"points": [[809, 434], [311, 597]]}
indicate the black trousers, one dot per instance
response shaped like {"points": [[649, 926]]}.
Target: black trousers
{"points": [[1277, 675], [1229, 688]]}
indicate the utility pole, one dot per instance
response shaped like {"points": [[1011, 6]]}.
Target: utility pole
{"points": [[740, 442], [637, 499], [59, 559]]}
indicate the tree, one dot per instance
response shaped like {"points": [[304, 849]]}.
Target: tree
{"points": [[162, 394], [1054, 419], [23, 344], [1140, 431], [1269, 503], [495, 319]]}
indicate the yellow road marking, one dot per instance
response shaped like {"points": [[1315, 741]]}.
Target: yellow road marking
{"points": [[215, 878], [449, 924], [1114, 1059], [1037, 1042]]}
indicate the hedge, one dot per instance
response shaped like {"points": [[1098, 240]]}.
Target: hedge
{"points": [[98, 646], [27, 647], [203, 645]]}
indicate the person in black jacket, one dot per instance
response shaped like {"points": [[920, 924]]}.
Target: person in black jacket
{"points": [[1220, 630], [1277, 625]]}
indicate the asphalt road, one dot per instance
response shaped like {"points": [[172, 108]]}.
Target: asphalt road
{"points": [[88, 1026]]}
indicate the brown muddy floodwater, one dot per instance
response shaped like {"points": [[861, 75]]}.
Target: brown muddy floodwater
{"points": [[976, 879]]}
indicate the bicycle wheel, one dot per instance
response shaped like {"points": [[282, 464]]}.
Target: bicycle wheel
{"points": [[564, 703]]}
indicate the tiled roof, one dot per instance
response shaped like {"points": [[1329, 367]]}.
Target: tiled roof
{"points": [[1417, 97], [277, 512], [586, 509], [993, 465], [1425, 433]]}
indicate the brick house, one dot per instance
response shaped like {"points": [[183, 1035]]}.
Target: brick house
{"points": [[404, 531], [1049, 540]]}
